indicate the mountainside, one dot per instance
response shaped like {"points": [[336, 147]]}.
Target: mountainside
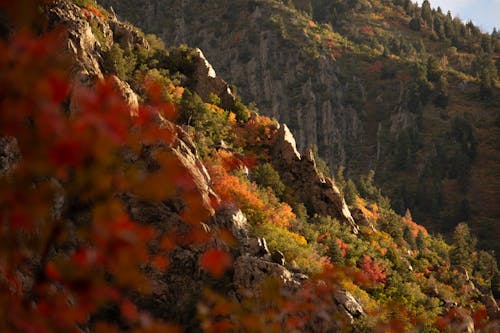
{"points": [[138, 193], [406, 91]]}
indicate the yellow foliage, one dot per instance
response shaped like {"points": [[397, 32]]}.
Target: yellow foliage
{"points": [[370, 211], [175, 91], [215, 108]]}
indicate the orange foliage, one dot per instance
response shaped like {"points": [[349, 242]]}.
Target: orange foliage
{"points": [[343, 246], [95, 11], [413, 226], [366, 30], [371, 211], [216, 261], [257, 136], [246, 195]]}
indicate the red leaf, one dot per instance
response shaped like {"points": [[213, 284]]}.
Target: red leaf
{"points": [[66, 152], [216, 261], [52, 272], [129, 310]]}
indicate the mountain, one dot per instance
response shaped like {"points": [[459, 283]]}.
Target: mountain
{"points": [[139, 193], [409, 92]]}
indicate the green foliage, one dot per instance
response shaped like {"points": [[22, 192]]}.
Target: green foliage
{"points": [[391, 223], [463, 246], [240, 110], [210, 124], [116, 61], [420, 241], [293, 246], [321, 164], [485, 267], [367, 189], [265, 175], [409, 238]]}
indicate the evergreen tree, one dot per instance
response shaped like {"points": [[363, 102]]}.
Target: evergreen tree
{"points": [[427, 13], [420, 241], [442, 97], [350, 192], [463, 246], [266, 176], [334, 252], [434, 71], [409, 238]]}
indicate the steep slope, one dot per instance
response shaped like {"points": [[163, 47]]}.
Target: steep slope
{"points": [[154, 195], [384, 86]]}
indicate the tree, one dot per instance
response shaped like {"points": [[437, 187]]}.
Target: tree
{"points": [[442, 97], [415, 23], [265, 175], [420, 241], [427, 13], [334, 251], [409, 238], [434, 71], [463, 247]]}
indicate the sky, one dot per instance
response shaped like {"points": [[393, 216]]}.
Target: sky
{"points": [[484, 13]]}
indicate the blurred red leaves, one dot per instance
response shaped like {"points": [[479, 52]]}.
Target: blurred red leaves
{"points": [[71, 141], [216, 261]]}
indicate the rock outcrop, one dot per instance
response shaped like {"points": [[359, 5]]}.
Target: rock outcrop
{"points": [[82, 45], [319, 194], [349, 305], [207, 82], [127, 36]]}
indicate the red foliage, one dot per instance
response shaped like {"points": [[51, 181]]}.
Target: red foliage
{"points": [[330, 43], [366, 30], [374, 270], [343, 246], [216, 261]]}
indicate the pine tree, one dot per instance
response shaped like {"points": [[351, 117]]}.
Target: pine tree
{"points": [[334, 252], [464, 245], [409, 238], [427, 13], [420, 241]]}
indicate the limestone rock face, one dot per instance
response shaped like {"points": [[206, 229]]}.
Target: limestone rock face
{"points": [[319, 194], [128, 95], [207, 82], [85, 50], [82, 45], [350, 306], [127, 36], [250, 271]]}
